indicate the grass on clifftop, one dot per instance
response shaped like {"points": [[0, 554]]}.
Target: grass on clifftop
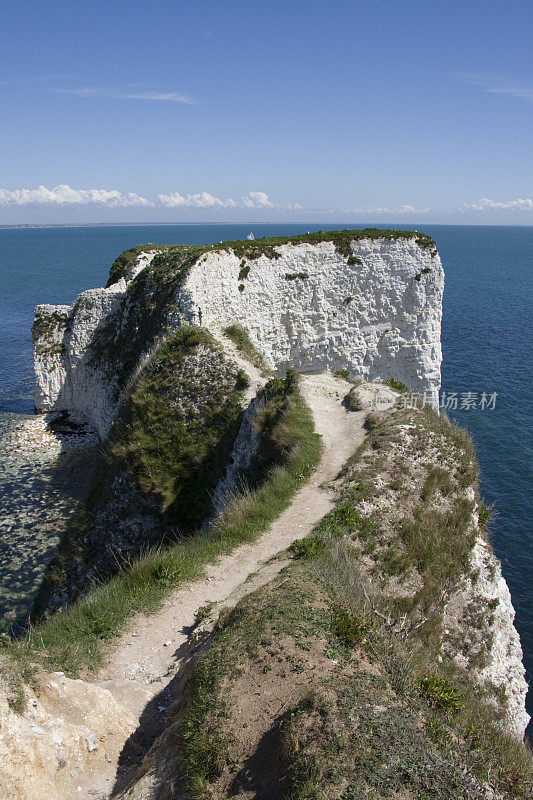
{"points": [[253, 249], [73, 640], [341, 239]]}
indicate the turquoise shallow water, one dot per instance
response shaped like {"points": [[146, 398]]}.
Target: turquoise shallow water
{"points": [[487, 338]]}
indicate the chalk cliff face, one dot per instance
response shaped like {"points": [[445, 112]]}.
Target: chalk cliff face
{"points": [[479, 634], [66, 376], [304, 304], [311, 310]]}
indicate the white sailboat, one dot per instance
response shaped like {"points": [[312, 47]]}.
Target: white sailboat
{"points": [[251, 235]]}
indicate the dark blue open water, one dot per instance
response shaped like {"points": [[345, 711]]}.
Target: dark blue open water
{"points": [[487, 340]]}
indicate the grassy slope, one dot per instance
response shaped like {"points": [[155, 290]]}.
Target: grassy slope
{"points": [[242, 341], [170, 445], [73, 639], [364, 710], [178, 427]]}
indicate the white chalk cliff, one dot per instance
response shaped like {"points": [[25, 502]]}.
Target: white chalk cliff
{"points": [[308, 307]]}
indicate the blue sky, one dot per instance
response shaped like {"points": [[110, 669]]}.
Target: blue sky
{"points": [[202, 111]]}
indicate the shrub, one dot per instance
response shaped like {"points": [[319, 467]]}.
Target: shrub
{"points": [[483, 515], [308, 548], [342, 373], [244, 271], [350, 401], [348, 626], [397, 385], [371, 421], [292, 276], [440, 693]]}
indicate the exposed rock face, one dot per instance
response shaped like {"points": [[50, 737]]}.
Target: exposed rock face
{"points": [[377, 314], [66, 377], [67, 732], [311, 310], [478, 632]]}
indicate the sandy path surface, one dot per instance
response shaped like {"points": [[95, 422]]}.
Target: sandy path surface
{"points": [[143, 661]]}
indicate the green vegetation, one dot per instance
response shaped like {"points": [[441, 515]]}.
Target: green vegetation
{"points": [[398, 386], [351, 402], [143, 316], [151, 296], [73, 639], [180, 423], [308, 547], [251, 250], [354, 260], [46, 323], [244, 270], [483, 515], [201, 747], [440, 693], [125, 262], [15, 671], [242, 341], [371, 421], [292, 276], [49, 350], [203, 612], [351, 628], [167, 451], [438, 479], [342, 373]]}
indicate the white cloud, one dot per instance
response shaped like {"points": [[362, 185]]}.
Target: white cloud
{"points": [[124, 94], [64, 195], [405, 209], [199, 200], [521, 204], [257, 200]]}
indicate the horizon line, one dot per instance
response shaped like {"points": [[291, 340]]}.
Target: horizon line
{"points": [[376, 224]]}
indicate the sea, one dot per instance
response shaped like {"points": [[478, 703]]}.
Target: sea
{"points": [[487, 379]]}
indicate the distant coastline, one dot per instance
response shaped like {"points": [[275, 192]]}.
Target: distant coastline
{"points": [[346, 224]]}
